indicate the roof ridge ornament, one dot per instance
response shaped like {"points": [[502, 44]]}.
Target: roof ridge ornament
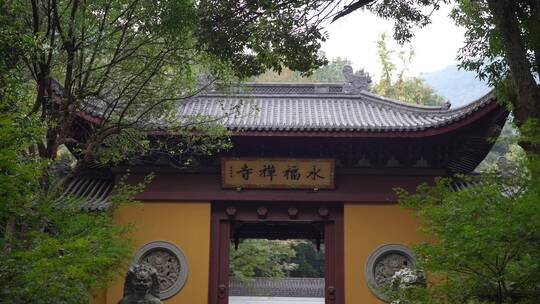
{"points": [[205, 82], [446, 105], [355, 83]]}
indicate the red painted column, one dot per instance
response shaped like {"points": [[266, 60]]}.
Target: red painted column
{"points": [[218, 291]]}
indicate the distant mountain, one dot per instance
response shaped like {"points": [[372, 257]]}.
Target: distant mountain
{"points": [[460, 87]]}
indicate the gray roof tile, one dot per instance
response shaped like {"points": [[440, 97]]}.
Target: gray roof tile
{"points": [[278, 287], [293, 107], [89, 192]]}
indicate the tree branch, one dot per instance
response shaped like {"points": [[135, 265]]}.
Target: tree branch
{"points": [[351, 8], [35, 17], [527, 104], [535, 16], [97, 46]]}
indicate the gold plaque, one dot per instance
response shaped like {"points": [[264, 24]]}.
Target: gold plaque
{"points": [[277, 173]]}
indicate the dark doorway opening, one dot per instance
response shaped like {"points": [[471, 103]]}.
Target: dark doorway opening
{"points": [[277, 262], [301, 224]]}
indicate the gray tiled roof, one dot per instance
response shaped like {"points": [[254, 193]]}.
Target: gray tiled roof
{"points": [[278, 287], [318, 107], [88, 192]]}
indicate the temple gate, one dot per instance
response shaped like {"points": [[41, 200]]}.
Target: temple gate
{"points": [[316, 161]]}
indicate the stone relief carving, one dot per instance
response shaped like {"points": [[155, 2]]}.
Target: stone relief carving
{"points": [[166, 264], [383, 263], [141, 286], [388, 265], [169, 263]]}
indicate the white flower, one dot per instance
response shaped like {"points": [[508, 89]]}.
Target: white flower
{"points": [[406, 277]]}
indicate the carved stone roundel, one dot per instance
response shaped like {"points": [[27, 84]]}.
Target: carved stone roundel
{"points": [[388, 265], [384, 262], [166, 264], [170, 264]]}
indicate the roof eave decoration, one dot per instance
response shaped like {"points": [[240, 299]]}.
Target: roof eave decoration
{"points": [[263, 113], [90, 191], [320, 110], [492, 108]]}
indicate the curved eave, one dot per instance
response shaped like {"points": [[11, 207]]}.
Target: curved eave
{"points": [[491, 109], [456, 119]]}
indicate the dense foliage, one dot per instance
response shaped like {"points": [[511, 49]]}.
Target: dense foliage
{"points": [[276, 259], [310, 261], [47, 254], [505, 149], [135, 59], [487, 237], [254, 36], [129, 62], [331, 72], [502, 44], [395, 84], [487, 234], [261, 258]]}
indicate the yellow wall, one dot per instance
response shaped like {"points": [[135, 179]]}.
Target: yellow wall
{"points": [[185, 224], [368, 226]]}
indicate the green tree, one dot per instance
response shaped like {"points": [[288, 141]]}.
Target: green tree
{"points": [[261, 258], [310, 261], [285, 75], [396, 85], [487, 238], [133, 60], [502, 45], [47, 254], [17, 131], [331, 72], [505, 149], [267, 258], [127, 62], [487, 234], [255, 36]]}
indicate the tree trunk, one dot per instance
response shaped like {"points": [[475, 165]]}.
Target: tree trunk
{"points": [[527, 103], [9, 234]]}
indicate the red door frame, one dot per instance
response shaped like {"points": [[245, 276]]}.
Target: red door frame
{"points": [[224, 213]]}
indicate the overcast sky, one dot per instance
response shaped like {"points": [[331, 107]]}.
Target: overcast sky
{"points": [[354, 37]]}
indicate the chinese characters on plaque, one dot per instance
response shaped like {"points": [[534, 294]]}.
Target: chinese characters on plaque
{"points": [[277, 173]]}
